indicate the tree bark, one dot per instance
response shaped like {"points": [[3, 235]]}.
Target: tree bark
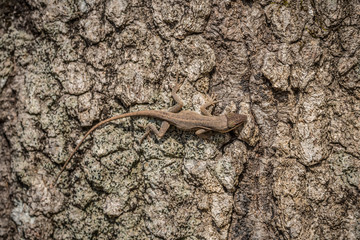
{"points": [[292, 172]]}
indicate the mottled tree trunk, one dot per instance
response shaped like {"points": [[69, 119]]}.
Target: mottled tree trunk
{"points": [[292, 172]]}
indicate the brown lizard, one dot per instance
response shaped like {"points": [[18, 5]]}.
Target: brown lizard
{"points": [[185, 120]]}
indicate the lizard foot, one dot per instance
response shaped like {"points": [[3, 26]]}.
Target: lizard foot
{"points": [[211, 99], [177, 86], [146, 135]]}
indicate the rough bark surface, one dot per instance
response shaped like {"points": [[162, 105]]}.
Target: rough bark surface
{"points": [[292, 172]]}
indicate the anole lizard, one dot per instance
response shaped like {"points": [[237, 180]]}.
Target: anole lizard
{"points": [[185, 120]]}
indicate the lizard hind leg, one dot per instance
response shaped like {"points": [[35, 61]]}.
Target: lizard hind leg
{"points": [[177, 98], [152, 128]]}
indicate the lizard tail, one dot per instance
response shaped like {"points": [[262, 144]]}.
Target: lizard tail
{"points": [[152, 113]]}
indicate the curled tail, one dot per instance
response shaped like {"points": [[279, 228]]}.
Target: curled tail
{"points": [[152, 113]]}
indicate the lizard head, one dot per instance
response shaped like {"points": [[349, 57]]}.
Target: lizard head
{"points": [[235, 120]]}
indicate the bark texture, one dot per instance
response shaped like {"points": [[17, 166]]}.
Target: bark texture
{"points": [[292, 172]]}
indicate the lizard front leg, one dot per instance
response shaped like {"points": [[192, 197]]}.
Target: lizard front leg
{"points": [[210, 100], [152, 128], [202, 133]]}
